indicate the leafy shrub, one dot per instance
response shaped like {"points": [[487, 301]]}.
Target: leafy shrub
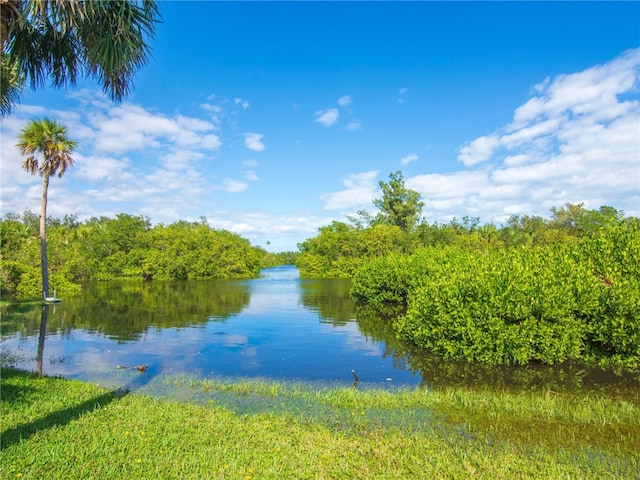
{"points": [[389, 279], [509, 306], [30, 285], [546, 303], [339, 250], [613, 254], [382, 280]]}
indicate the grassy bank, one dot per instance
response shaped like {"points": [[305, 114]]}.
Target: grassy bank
{"points": [[57, 428]]}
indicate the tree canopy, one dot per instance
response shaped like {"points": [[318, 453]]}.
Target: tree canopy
{"points": [[399, 205]]}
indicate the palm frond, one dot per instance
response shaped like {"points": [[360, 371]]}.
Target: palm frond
{"points": [[59, 40], [49, 139], [30, 164], [11, 86]]}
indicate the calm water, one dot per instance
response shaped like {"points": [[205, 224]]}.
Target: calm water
{"points": [[277, 326]]}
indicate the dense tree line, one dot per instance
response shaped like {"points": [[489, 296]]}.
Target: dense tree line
{"points": [[125, 247], [341, 248]]}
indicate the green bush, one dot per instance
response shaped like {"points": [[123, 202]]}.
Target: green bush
{"points": [[510, 306], [30, 285], [382, 280], [613, 254], [391, 278], [547, 303]]}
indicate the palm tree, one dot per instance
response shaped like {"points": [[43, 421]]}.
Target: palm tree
{"points": [[60, 40], [49, 138], [11, 86]]}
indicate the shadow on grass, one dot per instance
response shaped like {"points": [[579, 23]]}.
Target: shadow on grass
{"points": [[61, 417], [12, 393]]}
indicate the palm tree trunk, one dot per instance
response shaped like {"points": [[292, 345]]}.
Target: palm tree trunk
{"points": [[43, 236]]}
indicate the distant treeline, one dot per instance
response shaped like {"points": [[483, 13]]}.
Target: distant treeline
{"points": [[124, 247], [341, 248]]}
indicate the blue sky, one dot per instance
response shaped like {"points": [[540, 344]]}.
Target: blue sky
{"points": [[274, 119]]}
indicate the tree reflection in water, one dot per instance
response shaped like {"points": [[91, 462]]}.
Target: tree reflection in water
{"points": [[277, 326], [44, 313]]}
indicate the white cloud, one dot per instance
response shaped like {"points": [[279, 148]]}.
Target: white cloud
{"points": [[576, 140], [210, 142], [180, 159], [98, 167], [241, 103], [128, 159], [412, 157], [478, 150], [234, 186], [216, 111], [282, 232], [129, 127], [222, 108], [253, 141], [594, 92], [360, 191], [353, 126], [344, 100], [251, 176], [145, 164], [401, 93], [327, 117]]}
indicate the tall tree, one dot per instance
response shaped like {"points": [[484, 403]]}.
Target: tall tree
{"points": [[47, 138], [399, 205], [57, 41]]}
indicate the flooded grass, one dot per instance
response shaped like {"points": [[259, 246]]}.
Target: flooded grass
{"points": [[214, 428], [543, 417]]}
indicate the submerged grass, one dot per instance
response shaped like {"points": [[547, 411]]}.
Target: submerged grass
{"points": [[56, 428]]}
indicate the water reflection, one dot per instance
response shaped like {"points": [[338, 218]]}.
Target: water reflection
{"points": [[435, 372], [41, 336], [276, 326], [330, 298], [125, 311]]}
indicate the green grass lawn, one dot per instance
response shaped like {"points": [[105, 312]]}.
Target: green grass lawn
{"points": [[55, 428]]}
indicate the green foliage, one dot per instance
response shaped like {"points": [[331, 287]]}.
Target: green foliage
{"points": [[547, 304], [30, 283], [390, 278], [124, 247], [339, 250], [509, 306], [579, 221], [57, 42], [399, 205], [105, 247], [613, 254], [194, 251]]}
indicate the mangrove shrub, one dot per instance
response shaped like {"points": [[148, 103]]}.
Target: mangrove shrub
{"points": [[545, 303]]}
